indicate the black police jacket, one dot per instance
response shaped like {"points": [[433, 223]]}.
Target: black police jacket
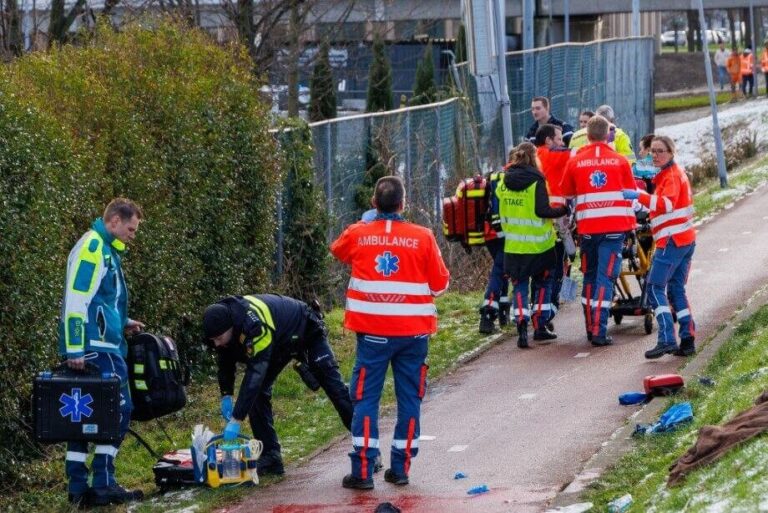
{"points": [[259, 337]]}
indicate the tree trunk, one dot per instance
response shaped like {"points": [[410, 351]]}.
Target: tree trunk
{"points": [[245, 29], [691, 27], [747, 28], [293, 61], [15, 35], [58, 28], [732, 28]]}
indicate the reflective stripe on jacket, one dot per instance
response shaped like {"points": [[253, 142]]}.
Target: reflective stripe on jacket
{"points": [[95, 307], [397, 270], [524, 232], [671, 207], [595, 176]]}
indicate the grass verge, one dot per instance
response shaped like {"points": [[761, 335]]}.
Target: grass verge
{"points": [[710, 198], [305, 421], [735, 483], [689, 102]]}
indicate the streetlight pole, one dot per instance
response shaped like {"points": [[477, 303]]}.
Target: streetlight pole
{"points": [[721, 171], [567, 21], [501, 56], [635, 18]]}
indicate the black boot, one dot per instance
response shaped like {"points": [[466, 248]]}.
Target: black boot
{"points": [[391, 477], [687, 347], [503, 314], [543, 333], [660, 350], [114, 494], [601, 341], [522, 335], [357, 483], [270, 462], [487, 317]]}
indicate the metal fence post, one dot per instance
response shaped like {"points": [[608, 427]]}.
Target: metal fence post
{"points": [[408, 179], [438, 162], [328, 176]]}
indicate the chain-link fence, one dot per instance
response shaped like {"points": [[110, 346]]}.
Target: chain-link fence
{"points": [[574, 77], [433, 146]]}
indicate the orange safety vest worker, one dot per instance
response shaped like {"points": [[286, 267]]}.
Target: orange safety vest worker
{"points": [[553, 161], [747, 64], [671, 207], [397, 270], [596, 176], [764, 60], [734, 67]]}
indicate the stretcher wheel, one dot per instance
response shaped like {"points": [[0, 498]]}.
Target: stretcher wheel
{"points": [[617, 318], [648, 323]]}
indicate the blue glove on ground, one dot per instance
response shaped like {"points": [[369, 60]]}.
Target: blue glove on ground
{"points": [[231, 431], [226, 407], [630, 194]]}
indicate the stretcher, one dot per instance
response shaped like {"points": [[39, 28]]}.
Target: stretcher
{"points": [[637, 255]]}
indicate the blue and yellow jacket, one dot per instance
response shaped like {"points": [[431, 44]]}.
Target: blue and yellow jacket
{"points": [[95, 308]]}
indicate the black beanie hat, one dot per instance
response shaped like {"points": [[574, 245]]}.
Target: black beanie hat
{"points": [[216, 320]]}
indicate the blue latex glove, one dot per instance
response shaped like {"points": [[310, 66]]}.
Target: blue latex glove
{"points": [[226, 407], [630, 194], [231, 431]]}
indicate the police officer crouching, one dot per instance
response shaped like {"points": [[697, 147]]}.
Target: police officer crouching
{"points": [[266, 332]]}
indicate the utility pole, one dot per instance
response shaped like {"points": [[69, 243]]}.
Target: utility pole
{"points": [[721, 171], [501, 59], [567, 20], [635, 18]]}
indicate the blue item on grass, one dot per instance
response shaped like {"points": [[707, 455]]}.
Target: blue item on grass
{"points": [[630, 398], [671, 419]]}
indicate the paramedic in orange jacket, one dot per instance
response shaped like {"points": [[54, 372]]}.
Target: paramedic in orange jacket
{"points": [[747, 72], [671, 208], [553, 156], [595, 176], [734, 70], [397, 271]]}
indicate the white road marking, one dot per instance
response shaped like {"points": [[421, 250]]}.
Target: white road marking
{"points": [[746, 233], [581, 355], [458, 448], [526, 396], [427, 437], [723, 250]]}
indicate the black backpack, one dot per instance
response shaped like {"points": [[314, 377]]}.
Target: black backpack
{"points": [[156, 376]]}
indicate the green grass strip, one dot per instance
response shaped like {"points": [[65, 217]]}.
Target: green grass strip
{"points": [[304, 421], [689, 102], [734, 483]]}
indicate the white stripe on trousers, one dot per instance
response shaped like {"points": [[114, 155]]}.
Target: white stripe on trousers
{"points": [[76, 456]]}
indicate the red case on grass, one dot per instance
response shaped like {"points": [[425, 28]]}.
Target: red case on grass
{"points": [[664, 384]]}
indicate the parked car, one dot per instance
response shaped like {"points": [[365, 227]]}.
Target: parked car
{"points": [[668, 38], [713, 37]]}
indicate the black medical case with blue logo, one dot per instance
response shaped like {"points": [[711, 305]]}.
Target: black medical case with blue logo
{"points": [[71, 405]]}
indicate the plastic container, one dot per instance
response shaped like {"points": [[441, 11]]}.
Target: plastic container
{"points": [[621, 504], [230, 462]]}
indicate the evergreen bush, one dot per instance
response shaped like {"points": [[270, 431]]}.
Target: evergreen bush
{"points": [[306, 258], [322, 103], [379, 79], [162, 116]]}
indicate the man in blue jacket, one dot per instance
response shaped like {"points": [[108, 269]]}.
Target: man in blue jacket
{"points": [[94, 321]]}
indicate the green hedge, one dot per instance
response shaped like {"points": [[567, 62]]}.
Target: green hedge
{"points": [[162, 116]]}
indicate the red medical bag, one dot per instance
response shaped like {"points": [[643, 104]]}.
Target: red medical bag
{"points": [[464, 214], [663, 385]]}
